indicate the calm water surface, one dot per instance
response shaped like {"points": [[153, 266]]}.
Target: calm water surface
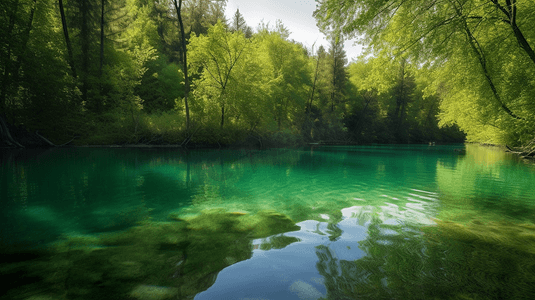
{"points": [[366, 222]]}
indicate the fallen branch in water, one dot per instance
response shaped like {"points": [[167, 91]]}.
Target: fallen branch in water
{"points": [[527, 151], [65, 144], [52, 144], [44, 139]]}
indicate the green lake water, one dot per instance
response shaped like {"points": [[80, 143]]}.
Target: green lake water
{"points": [[337, 222]]}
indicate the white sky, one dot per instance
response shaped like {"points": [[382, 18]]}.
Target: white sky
{"points": [[295, 15]]}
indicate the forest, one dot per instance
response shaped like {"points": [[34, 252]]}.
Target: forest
{"points": [[173, 72]]}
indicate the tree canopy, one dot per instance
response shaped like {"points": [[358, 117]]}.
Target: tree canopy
{"points": [[175, 71], [480, 53]]}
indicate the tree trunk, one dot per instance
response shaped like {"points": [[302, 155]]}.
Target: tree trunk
{"points": [[402, 101], [67, 39], [483, 63], [25, 39], [101, 38], [333, 80], [309, 108], [510, 12], [178, 8], [84, 37], [7, 61], [4, 133], [99, 101], [222, 115], [523, 42], [45, 139], [18, 61]]}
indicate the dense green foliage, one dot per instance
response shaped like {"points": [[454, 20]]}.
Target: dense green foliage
{"points": [[479, 54], [112, 72]]}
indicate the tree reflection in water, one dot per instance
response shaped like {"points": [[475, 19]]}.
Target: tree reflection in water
{"points": [[446, 261]]}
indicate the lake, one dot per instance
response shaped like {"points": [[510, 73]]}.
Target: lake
{"points": [[324, 222]]}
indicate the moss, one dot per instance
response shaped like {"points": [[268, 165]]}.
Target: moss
{"points": [[214, 220], [278, 242], [112, 265], [149, 234], [262, 224], [127, 269], [270, 222], [490, 260], [518, 237], [150, 292]]}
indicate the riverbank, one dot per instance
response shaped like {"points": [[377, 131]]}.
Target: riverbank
{"points": [[204, 139]]}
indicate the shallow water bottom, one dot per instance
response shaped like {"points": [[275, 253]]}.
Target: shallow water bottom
{"points": [[226, 255]]}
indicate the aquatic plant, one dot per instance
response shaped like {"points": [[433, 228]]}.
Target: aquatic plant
{"points": [[277, 242], [164, 259]]}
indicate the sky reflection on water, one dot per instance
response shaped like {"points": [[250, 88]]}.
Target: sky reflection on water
{"points": [[300, 269]]}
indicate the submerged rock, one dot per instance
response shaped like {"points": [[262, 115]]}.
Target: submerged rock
{"points": [[262, 224], [271, 222]]}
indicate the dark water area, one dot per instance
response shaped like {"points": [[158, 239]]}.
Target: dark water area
{"points": [[337, 222]]}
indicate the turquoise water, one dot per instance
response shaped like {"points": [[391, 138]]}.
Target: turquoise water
{"points": [[362, 215]]}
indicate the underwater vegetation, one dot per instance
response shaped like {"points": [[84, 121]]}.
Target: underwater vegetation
{"points": [[278, 242], [483, 260], [493, 260], [154, 260], [181, 258]]}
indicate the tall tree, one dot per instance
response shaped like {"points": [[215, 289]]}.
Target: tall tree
{"points": [[85, 40], [178, 8], [15, 49], [9, 19], [102, 22], [201, 14], [289, 76], [68, 44], [217, 54], [402, 95], [338, 60], [320, 55], [238, 24]]}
